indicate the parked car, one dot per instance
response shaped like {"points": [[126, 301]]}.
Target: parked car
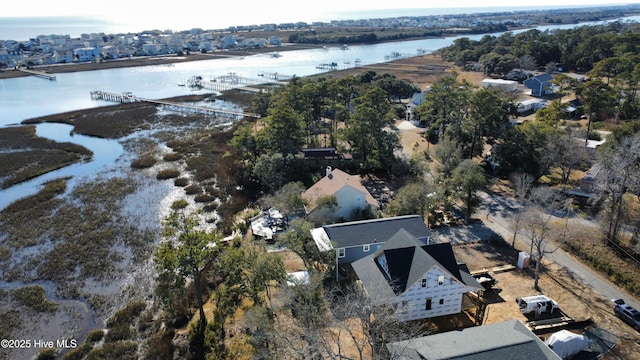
{"points": [[536, 304], [628, 314]]}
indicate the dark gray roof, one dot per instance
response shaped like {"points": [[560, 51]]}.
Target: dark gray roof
{"points": [[407, 261], [538, 80], [505, 340], [374, 231]]}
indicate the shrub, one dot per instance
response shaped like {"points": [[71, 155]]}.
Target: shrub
{"points": [[167, 174], [143, 162]]}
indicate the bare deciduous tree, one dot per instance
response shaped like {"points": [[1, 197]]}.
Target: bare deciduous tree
{"points": [[621, 172]]}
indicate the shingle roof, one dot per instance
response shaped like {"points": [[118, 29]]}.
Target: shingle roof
{"points": [[372, 231], [331, 184], [406, 260], [505, 340]]}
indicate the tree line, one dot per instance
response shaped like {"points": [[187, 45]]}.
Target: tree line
{"points": [[577, 49]]}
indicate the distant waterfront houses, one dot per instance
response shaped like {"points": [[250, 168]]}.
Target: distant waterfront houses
{"points": [[51, 49]]}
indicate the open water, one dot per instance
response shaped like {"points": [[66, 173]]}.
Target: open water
{"points": [[25, 28], [29, 97]]}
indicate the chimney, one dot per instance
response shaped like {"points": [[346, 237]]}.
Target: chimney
{"points": [[328, 172]]}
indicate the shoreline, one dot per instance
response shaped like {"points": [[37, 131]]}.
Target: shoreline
{"points": [[152, 60], [171, 59]]}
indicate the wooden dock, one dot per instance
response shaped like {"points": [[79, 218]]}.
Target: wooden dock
{"points": [[232, 81], [128, 97], [41, 74]]}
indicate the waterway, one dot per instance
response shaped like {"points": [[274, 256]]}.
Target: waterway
{"points": [[28, 97]]}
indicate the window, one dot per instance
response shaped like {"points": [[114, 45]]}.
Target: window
{"points": [[440, 280], [365, 248], [424, 282], [427, 305], [441, 301], [341, 252]]}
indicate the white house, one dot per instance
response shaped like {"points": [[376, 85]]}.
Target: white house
{"points": [[348, 190], [86, 54], [417, 281]]}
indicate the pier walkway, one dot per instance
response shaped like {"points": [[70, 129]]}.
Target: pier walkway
{"points": [[234, 81], [41, 74], [128, 97]]}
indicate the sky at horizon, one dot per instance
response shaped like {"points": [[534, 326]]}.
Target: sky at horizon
{"points": [[274, 8], [209, 14]]}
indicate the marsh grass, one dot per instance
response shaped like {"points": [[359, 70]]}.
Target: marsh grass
{"points": [[124, 350], [144, 162], [167, 174], [34, 297], [32, 155], [193, 189], [95, 336], [85, 234], [204, 198], [181, 182], [172, 157]]}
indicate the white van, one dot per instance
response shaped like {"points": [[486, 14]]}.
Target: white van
{"points": [[536, 304]]}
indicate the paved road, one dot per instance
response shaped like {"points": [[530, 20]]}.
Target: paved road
{"points": [[500, 209]]}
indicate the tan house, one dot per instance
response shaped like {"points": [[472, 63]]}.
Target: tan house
{"points": [[350, 194]]}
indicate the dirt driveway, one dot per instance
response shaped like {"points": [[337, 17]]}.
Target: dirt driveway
{"points": [[574, 298]]}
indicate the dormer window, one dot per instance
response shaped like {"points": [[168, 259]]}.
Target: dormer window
{"points": [[382, 261]]}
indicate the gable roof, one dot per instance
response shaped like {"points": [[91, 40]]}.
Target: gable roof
{"points": [[538, 80], [505, 340], [335, 181], [356, 233], [402, 261]]}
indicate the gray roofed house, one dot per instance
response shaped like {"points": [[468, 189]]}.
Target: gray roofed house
{"points": [[539, 84], [505, 340], [357, 239], [418, 281]]}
